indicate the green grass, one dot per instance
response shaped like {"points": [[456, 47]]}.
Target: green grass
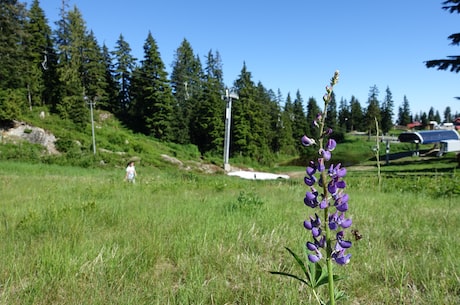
{"points": [[83, 236]]}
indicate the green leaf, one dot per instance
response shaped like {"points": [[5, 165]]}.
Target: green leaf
{"points": [[302, 266], [291, 275]]}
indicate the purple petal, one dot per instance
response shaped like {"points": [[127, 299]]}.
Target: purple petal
{"points": [[306, 141], [323, 204], [332, 187], [316, 232], [326, 154], [307, 224], [343, 207], [310, 181], [313, 258], [341, 172], [311, 170], [321, 166], [311, 246], [343, 260], [333, 226], [344, 243], [341, 184], [346, 223], [331, 144]]}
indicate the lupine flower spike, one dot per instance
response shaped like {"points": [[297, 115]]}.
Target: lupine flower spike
{"points": [[326, 196]]}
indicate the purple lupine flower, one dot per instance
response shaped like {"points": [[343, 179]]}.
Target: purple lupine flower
{"points": [[306, 141], [340, 257], [331, 144], [333, 200], [326, 154], [314, 258], [311, 198]]}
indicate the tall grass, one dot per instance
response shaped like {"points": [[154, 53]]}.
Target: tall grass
{"points": [[83, 236]]}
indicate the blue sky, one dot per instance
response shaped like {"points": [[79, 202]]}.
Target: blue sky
{"points": [[297, 45]]}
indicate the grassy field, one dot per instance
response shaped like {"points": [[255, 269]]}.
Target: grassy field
{"points": [[83, 236]]}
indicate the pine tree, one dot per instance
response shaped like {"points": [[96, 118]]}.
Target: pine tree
{"points": [[207, 122], [124, 66], [109, 101], [404, 115], [151, 109], [387, 112], [356, 119], [39, 46], [300, 124], [447, 115], [452, 62], [71, 35], [13, 62], [186, 82], [331, 118], [288, 142], [94, 70], [344, 116], [248, 127], [312, 111], [373, 110]]}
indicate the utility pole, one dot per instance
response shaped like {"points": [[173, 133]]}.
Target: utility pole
{"points": [[228, 121], [92, 103]]}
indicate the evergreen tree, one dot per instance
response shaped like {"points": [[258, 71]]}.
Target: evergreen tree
{"points": [[373, 110], [404, 115], [13, 62], [94, 69], [344, 116], [186, 82], [300, 125], [431, 114], [312, 111], [71, 35], [39, 50], [151, 106], [124, 66], [108, 101], [248, 127], [268, 124], [387, 112], [437, 116], [452, 62], [331, 117], [424, 119], [356, 119], [447, 115], [288, 142], [208, 118]]}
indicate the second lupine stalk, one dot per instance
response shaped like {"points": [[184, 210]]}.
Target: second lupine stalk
{"points": [[327, 232]]}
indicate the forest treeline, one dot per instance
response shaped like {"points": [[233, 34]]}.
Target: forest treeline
{"points": [[65, 68]]}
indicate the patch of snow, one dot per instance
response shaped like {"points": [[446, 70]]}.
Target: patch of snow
{"points": [[257, 175]]}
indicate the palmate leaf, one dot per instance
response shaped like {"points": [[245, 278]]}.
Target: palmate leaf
{"points": [[315, 274], [301, 264]]}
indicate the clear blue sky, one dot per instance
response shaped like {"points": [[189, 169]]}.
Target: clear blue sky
{"points": [[297, 45]]}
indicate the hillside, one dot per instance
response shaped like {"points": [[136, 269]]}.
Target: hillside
{"points": [[44, 137]]}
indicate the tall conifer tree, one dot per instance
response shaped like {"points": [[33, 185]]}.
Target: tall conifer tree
{"points": [[151, 107], [186, 80]]}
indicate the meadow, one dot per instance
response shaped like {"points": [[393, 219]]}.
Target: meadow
{"points": [[74, 235]]}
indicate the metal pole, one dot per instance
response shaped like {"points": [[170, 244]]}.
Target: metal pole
{"points": [[228, 117], [92, 126]]}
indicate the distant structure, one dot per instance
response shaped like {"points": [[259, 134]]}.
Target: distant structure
{"points": [[447, 140]]}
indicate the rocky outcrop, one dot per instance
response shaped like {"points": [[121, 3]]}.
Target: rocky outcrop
{"points": [[21, 131]]}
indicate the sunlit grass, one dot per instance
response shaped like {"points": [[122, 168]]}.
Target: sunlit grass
{"points": [[80, 236]]}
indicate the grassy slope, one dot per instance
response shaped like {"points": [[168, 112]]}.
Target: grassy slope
{"points": [[82, 236]]}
